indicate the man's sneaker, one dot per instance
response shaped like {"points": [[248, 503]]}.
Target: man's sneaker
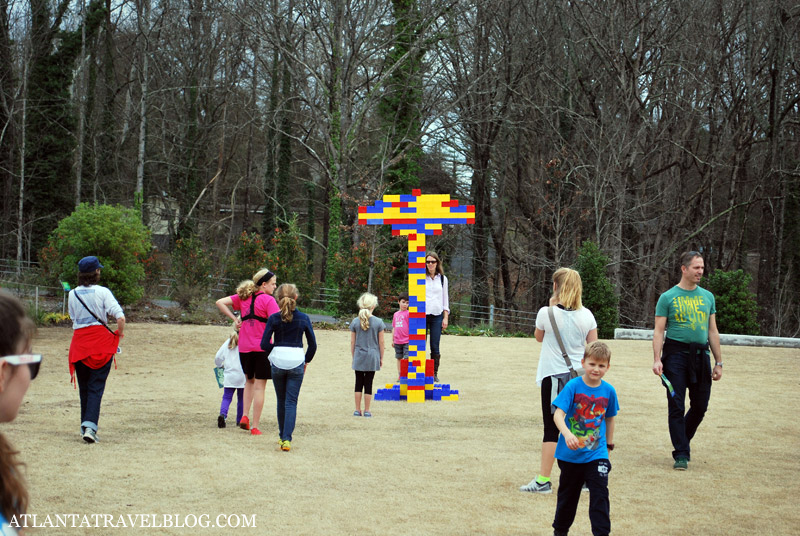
{"points": [[255, 431], [681, 464], [435, 378], [244, 424], [585, 487], [90, 436], [221, 421], [286, 445], [535, 487]]}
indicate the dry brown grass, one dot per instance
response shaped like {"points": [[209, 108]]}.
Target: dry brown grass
{"points": [[447, 468]]}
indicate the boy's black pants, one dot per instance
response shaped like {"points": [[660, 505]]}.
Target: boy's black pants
{"points": [[573, 475]]}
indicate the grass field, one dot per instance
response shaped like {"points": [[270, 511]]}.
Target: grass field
{"points": [[444, 468]]}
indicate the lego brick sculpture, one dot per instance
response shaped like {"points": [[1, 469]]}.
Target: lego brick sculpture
{"points": [[416, 216]]}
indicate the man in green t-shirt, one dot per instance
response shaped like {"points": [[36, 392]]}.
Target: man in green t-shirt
{"points": [[687, 313]]}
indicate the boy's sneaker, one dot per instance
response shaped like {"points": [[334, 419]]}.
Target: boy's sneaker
{"points": [[535, 487], [90, 436], [356, 413], [244, 424], [221, 421], [681, 464], [367, 414], [286, 445]]}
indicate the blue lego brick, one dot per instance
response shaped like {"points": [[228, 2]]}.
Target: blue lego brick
{"points": [[428, 395], [408, 198], [408, 210], [436, 394], [416, 382], [416, 270], [443, 221]]}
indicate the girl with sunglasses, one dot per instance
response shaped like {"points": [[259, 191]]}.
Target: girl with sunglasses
{"points": [[17, 368]]}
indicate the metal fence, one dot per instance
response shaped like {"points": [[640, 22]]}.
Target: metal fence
{"points": [[41, 298], [494, 317]]}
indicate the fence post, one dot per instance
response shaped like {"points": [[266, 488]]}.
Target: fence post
{"points": [[37, 300], [491, 316]]}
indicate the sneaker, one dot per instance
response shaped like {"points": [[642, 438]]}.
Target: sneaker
{"points": [[435, 378], [286, 445], [535, 487], [244, 424], [367, 414], [356, 413], [90, 436], [255, 431], [585, 487], [221, 421], [681, 464]]}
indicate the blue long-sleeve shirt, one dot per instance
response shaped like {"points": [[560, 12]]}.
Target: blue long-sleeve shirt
{"points": [[290, 333]]}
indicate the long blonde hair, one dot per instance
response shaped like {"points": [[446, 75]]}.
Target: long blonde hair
{"points": [[287, 300], [366, 303], [248, 287], [568, 287]]}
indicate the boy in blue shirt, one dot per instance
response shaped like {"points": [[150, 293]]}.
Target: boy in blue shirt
{"points": [[584, 415]]}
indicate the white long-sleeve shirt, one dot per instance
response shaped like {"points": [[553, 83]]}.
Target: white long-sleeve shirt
{"points": [[97, 298], [437, 296]]}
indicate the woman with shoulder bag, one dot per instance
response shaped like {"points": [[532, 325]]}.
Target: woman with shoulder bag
{"points": [[575, 326]]}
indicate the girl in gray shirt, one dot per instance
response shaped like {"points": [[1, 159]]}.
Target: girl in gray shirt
{"points": [[366, 347]]}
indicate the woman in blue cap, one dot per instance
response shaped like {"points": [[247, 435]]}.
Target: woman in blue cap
{"points": [[93, 343]]}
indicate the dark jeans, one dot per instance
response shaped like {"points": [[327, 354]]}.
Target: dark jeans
{"points": [[434, 325], [683, 424], [91, 385], [287, 390], [573, 475]]}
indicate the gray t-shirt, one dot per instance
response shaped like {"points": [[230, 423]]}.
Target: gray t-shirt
{"points": [[367, 354]]}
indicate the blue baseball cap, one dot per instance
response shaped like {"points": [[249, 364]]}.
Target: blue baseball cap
{"points": [[88, 264]]}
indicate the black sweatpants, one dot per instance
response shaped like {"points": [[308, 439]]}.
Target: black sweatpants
{"points": [[573, 475]]}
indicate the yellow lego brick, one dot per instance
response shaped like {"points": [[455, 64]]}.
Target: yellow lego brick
{"points": [[416, 397], [429, 387], [403, 389], [391, 198], [389, 385], [412, 375]]}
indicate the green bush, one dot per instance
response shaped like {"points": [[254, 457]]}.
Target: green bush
{"points": [[737, 309], [598, 293], [287, 259], [250, 256], [191, 271], [354, 271], [114, 234]]}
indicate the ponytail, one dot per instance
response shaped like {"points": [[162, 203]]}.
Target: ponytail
{"points": [[233, 342], [568, 287], [246, 289], [287, 301], [366, 303]]}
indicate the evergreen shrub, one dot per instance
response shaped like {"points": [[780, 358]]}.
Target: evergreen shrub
{"points": [[598, 292], [737, 309]]}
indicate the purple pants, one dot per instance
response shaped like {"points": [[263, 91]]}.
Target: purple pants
{"points": [[227, 397]]}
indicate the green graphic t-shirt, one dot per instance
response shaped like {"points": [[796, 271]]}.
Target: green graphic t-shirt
{"points": [[687, 313]]}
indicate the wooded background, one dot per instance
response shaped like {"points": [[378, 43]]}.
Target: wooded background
{"points": [[649, 127]]}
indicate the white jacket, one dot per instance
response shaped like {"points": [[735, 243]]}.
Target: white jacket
{"points": [[229, 357]]}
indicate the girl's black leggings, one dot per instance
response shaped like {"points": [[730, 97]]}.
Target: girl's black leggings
{"points": [[364, 381]]}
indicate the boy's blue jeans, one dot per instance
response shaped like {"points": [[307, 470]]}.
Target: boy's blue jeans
{"points": [[683, 424], [287, 390], [573, 475]]}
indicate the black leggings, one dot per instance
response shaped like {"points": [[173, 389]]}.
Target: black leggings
{"points": [[364, 381], [550, 428]]}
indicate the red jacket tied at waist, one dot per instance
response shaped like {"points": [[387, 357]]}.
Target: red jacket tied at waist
{"points": [[94, 345]]}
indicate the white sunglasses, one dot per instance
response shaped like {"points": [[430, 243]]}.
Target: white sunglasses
{"points": [[33, 361]]}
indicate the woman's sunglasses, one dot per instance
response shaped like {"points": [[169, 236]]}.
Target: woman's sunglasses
{"points": [[33, 361]]}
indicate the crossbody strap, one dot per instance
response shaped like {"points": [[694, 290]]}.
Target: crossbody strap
{"points": [[92, 313], [552, 316]]}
